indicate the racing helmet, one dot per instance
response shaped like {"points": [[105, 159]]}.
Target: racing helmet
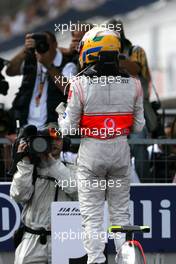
{"points": [[97, 40]]}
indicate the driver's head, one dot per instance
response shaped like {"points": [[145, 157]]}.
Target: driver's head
{"points": [[94, 42]]}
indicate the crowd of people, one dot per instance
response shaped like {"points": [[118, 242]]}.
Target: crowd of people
{"points": [[33, 13]]}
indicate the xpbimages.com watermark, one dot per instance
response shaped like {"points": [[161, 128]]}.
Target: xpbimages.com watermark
{"points": [[106, 132], [90, 184], [87, 80], [84, 27], [103, 80], [80, 235]]}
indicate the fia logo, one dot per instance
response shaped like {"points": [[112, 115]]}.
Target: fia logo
{"points": [[68, 211], [9, 217]]}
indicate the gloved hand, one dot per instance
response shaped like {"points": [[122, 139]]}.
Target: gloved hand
{"points": [[60, 109]]}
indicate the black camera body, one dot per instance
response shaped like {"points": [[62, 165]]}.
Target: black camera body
{"points": [[4, 121], [38, 142], [41, 42], [37, 145], [41, 46], [4, 86]]}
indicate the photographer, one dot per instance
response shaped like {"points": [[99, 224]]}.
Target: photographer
{"points": [[4, 86], [35, 187], [76, 35], [5, 144], [133, 60], [41, 63]]}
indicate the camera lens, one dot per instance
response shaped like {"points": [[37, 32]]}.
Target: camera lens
{"points": [[41, 43], [39, 145], [42, 47], [4, 86]]}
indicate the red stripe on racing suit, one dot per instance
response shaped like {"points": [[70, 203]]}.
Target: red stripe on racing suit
{"points": [[106, 125]]}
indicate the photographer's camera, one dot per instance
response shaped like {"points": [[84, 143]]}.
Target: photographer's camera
{"points": [[41, 43], [38, 142], [4, 86]]}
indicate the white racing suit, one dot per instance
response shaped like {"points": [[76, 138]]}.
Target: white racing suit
{"points": [[104, 156], [36, 199]]}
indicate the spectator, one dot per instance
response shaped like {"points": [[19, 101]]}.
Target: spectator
{"points": [[41, 8], [163, 157], [39, 93], [31, 17], [168, 128], [5, 146], [35, 13], [173, 136], [18, 23], [173, 149], [72, 52], [133, 60], [84, 5], [35, 187], [5, 28]]}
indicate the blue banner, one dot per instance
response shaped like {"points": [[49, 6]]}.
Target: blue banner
{"points": [[9, 218], [153, 205], [156, 206]]}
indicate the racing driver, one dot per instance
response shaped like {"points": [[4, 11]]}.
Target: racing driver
{"points": [[104, 113]]}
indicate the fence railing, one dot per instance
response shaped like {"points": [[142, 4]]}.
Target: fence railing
{"points": [[5, 158], [158, 167]]}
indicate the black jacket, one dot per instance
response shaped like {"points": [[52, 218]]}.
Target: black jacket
{"points": [[21, 103]]}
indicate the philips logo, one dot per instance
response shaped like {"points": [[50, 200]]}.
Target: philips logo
{"points": [[146, 210]]}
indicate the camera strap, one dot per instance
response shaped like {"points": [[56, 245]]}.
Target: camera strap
{"points": [[47, 178], [42, 79], [51, 179]]}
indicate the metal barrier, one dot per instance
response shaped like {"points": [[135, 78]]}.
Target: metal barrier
{"points": [[161, 164], [5, 158]]}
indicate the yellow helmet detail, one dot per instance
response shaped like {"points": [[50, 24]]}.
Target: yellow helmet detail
{"points": [[96, 40]]}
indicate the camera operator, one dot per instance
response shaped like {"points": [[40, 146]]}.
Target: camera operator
{"points": [[41, 63], [35, 187]]}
